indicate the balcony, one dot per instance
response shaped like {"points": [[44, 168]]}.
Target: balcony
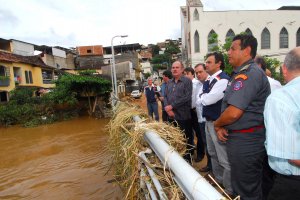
{"points": [[4, 81], [48, 81]]}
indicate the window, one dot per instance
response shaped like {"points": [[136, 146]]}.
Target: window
{"points": [[196, 42], [2, 70], [196, 15], [47, 76], [230, 34], [248, 31], [28, 77], [298, 38], [265, 39], [212, 41], [89, 51], [283, 38], [3, 96]]}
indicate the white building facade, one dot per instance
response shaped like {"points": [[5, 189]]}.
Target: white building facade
{"points": [[277, 31]]}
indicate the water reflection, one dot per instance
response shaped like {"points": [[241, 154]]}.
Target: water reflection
{"points": [[57, 161]]}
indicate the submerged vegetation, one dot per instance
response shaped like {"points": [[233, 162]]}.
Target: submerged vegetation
{"points": [[65, 101]]}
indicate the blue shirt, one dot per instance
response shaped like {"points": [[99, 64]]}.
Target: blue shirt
{"points": [[282, 121], [162, 91]]}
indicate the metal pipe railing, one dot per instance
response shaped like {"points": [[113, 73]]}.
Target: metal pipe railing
{"points": [[148, 185], [153, 177], [193, 185]]}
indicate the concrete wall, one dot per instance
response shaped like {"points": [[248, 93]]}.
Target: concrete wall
{"points": [[58, 53], [70, 61], [90, 62], [124, 71], [55, 61], [146, 67], [22, 48]]}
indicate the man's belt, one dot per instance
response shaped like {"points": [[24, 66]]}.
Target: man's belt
{"points": [[248, 130], [209, 119], [294, 177]]}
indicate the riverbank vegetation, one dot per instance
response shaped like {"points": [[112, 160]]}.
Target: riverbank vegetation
{"points": [[73, 94]]}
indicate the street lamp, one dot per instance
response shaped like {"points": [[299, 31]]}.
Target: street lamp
{"points": [[115, 89], [112, 76]]}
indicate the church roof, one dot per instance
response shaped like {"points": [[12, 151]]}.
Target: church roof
{"points": [[33, 60], [289, 8]]}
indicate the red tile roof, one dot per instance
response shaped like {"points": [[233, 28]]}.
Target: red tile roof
{"points": [[146, 54], [33, 60]]}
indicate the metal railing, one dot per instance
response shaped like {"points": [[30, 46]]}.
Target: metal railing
{"points": [[193, 185]]}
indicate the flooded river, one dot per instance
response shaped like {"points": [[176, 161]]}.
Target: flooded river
{"points": [[58, 161]]}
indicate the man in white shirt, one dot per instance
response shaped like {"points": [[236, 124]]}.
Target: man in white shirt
{"points": [[190, 73], [263, 65], [211, 99], [202, 76]]}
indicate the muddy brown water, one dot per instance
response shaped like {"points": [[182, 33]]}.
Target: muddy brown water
{"points": [[58, 161]]}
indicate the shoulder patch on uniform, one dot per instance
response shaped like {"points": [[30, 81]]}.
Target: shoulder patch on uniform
{"points": [[237, 85], [241, 76]]}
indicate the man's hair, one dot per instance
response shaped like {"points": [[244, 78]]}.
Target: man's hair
{"points": [[189, 69], [260, 60], [292, 59], [168, 74], [200, 64], [218, 58], [247, 40], [181, 63]]}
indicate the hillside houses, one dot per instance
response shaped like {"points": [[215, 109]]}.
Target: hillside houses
{"points": [[24, 64]]}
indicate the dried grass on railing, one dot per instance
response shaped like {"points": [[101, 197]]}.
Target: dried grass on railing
{"points": [[126, 141]]}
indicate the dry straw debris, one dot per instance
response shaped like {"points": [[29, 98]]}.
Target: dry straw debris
{"points": [[125, 143]]}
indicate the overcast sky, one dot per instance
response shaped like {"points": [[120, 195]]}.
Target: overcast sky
{"points": [[71, 23]]}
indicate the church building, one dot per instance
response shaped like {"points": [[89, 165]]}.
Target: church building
{"points": [[277, 31]]}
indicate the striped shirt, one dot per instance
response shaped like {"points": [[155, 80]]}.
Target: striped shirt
{"points": [[195, 91], [282, 121]]}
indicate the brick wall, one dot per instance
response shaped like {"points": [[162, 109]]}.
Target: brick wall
{"points": [[90, 50]]}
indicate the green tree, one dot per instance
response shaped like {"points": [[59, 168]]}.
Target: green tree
{"points": [[74, 86], [171, 48], [30, 110], [216, 45], [155, 50], [273, 64], [164, 60], [161, 58], [88, 72], [147, 75]]}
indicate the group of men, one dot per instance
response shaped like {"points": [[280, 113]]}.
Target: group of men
{"points": [[251, 137]]}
